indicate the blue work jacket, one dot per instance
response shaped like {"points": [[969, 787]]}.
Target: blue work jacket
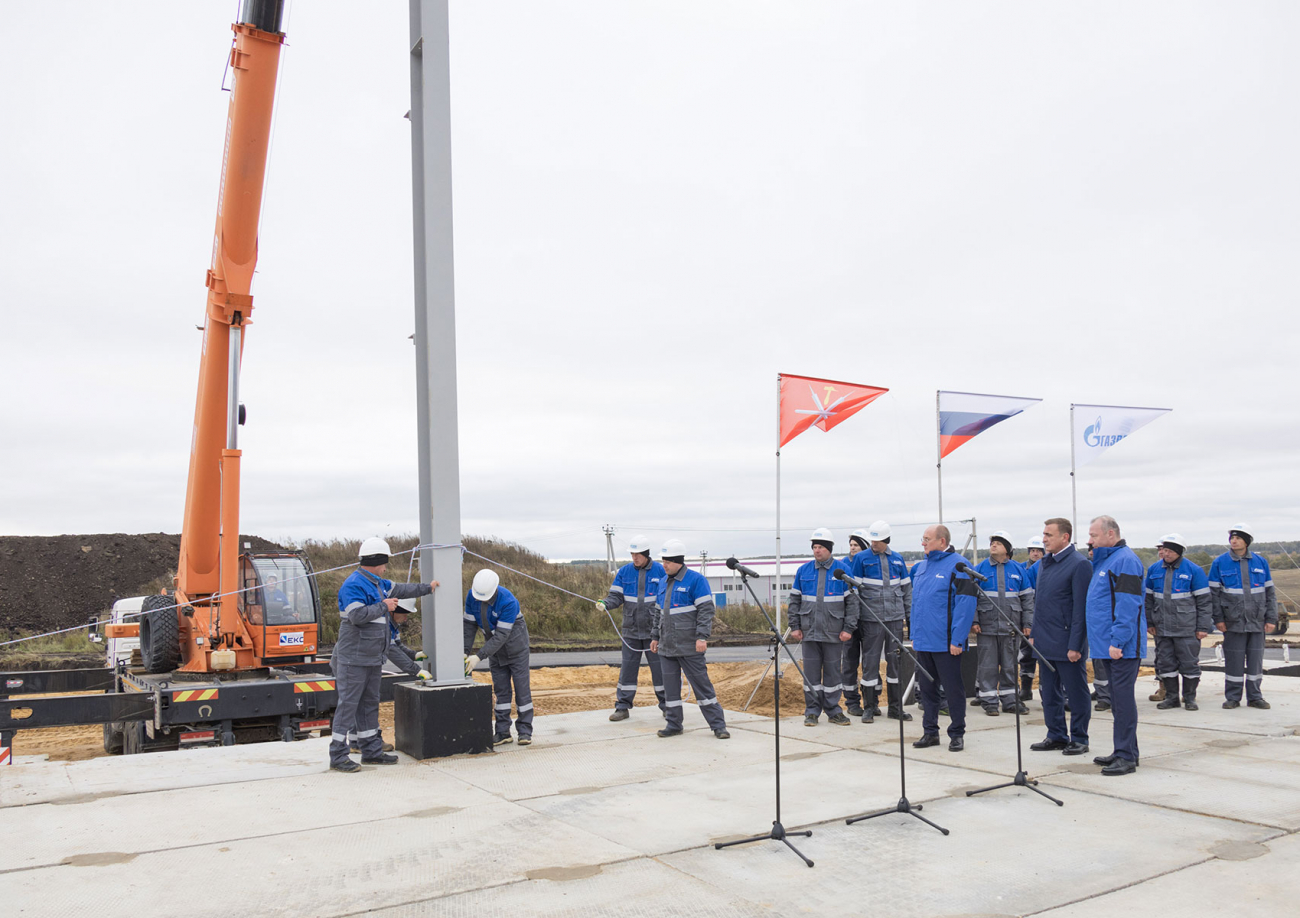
{"points": [[1117, 603], [943, 603], [496, 618], [892, 602], [1240, 606], [636, 591], [1187, 610]]}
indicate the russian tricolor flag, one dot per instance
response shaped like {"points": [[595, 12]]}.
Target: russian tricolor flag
{"points": [[963, 415]]}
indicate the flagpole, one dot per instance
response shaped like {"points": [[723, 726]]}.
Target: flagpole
{"points": [[776, 603], [938, 449], [1074, 493]]}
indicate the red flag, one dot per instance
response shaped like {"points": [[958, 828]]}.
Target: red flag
{"points": [[806, 400]]}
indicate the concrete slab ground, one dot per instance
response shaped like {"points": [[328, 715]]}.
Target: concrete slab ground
{"points": [[600, 818]]}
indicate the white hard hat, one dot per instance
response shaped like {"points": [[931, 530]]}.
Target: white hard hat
{"points": [[639, 545], [673, 548], [862, 536], [485, 584], [1037, 543], [879, 531], [405, 606], [1174, 541], [374, 546], [1244, 530], [1003, 536], [823, 535]]}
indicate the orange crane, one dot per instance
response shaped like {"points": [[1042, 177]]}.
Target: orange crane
{"points": [[221, 616]]}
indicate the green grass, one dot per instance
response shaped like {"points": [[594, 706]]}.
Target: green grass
{"points": [[74, 642]]}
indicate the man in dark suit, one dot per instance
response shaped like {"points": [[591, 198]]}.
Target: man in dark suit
{"points": [[1059, 634]]}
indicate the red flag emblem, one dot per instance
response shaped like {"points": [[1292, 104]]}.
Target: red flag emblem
{"points": [[807, 401]]}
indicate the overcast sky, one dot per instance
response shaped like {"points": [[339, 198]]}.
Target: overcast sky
{"points": [[658, 207]]}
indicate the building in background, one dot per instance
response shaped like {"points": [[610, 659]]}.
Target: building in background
{"points": [[728, 589]]}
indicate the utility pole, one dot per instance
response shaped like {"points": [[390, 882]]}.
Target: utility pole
{"points": [[704, 562], [609, 546], [435, 338]]}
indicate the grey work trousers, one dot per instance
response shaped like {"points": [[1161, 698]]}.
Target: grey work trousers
{"points": [[356, 712], [1178, 656], [511, 670], [878, 639], [1101, 678], [995, 669], [1243, 664], [631, 670], [696, 670], [1028, 661], [823, 667], [852, 656]]}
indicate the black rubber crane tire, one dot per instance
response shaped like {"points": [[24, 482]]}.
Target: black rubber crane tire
{"points": [[160, 638]]}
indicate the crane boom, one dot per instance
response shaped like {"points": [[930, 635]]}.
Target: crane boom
{"points": [[209, 552]]}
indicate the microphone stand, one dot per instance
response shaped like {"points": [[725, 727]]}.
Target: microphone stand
{"points": [[1021, 779], [904, 805], [778, 831]]}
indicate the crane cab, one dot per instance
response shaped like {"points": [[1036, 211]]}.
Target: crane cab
{"points": [[281, 606]]}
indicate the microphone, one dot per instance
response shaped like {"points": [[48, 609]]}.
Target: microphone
{"points": [[733, 564], [839, 574], [964, 568]]}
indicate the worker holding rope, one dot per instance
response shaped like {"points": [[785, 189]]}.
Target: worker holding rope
{"points": [[635, 588], [495, 611], [366, 600]]}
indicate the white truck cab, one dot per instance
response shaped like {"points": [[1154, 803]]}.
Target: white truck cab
{"points": [[125, 611]]}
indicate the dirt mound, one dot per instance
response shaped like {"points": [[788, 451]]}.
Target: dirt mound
{"points": [[50, 582]]}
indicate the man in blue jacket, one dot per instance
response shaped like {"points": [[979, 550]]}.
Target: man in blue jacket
{"points": [[1244, 606], [635, 588], [1117, 629], [494, 610], [1179, 617], [1058, 633], [823, 614], [679, 633], [943, 607]]}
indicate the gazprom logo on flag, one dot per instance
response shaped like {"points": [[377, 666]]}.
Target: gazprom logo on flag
{"points": [[1093, 436]]}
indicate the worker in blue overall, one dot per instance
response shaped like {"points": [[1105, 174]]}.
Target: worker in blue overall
{"points": [[635, 589], [1244, 606], [492, 609], [823, 614], [366, 600], [886, 599], [1179, 617], [679, 633]]}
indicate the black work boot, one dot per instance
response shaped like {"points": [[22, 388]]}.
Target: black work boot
{"points": [[1189, 694], [1171, 695], [852, 706], [1026, 688], [869, 705], [894, 693]]}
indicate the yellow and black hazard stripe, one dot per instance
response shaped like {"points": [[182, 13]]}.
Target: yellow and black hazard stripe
{"points": [[195, 695], [326, 685]]}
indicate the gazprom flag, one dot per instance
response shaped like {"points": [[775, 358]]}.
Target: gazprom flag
{"points": [[963, 415], [1099, 427]]}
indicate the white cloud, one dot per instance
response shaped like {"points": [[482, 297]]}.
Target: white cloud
{"points": [[658, 208]]}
